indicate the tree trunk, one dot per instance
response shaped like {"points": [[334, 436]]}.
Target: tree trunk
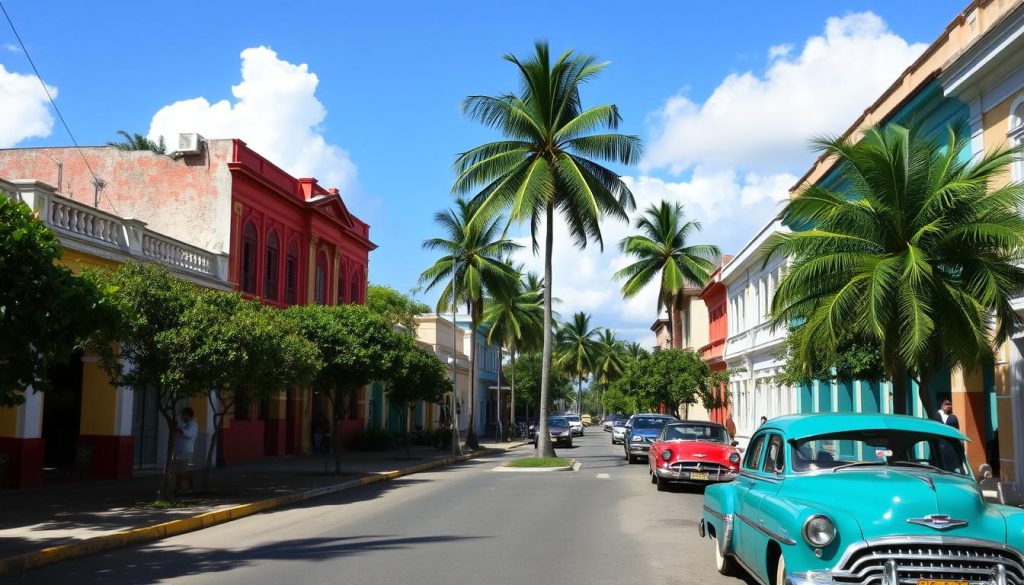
{"points": [[544, 447], [336, 431], [672, 323], [218, 420], [408, 425], [512, 396], [899, 390], [924, 391], [166, 479], [579, 396], [499, 428], [472, 442]]}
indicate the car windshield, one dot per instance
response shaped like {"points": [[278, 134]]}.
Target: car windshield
{"points": [[649, 422], [689, 432], [573, 417], [558, 422], [881, 447]]}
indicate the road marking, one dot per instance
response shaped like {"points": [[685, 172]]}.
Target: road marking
{"points": [[603, 476]]}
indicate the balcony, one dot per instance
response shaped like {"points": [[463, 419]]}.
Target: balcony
{"points": [[103, 234], [757, 337]]}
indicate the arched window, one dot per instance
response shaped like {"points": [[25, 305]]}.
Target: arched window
{"points": [[353, 296], [291, 273], [271, 267], [320, 279], [250, 252], [341, 287], [1016, 136]]}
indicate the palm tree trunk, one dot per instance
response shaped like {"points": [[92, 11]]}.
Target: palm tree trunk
{"points": [[499, 428], [899, 389], [544, 447], [924, 383], [512, 396], [671, 325], [471, 439]]}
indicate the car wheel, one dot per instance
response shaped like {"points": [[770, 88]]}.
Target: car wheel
{"points": [[661, 483], [654, 478], [725, 564], [780, 571]]}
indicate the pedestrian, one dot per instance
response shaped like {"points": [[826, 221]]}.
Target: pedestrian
{"points": [[184, 444], [764, 419], [321, 428], [945, 415]]}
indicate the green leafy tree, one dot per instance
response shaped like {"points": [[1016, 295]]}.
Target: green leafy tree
{"points": [[670, 378], [578, 350], [528, 376], [546, 163], [617, 397], [418, 376], [151, 303], [611, 363], [635, 351], [356, 346], [397, 308], [45, 311], [664, 253], [472, 264], [137, 141], [238, 350], [514, 316], [853, 359], [920, 255]]}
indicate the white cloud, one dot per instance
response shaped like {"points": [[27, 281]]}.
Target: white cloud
{"points": [[762, 122], [26, 109], [12, 48], [276, 112]]}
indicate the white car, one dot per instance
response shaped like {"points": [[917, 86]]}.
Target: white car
{"points": [[575, 424], [618, 433]]}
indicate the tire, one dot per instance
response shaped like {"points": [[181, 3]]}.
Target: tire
{"points": [[725, 564], [654, 478], [661, 483], [780, 571]]}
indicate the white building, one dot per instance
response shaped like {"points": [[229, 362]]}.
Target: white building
{"points": [[753, 347]]}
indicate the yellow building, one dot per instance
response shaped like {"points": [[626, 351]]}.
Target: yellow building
{"points": [[83, 420]]}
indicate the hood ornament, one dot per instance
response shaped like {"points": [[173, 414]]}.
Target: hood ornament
{"points": [[701, 455], [938, 521]]}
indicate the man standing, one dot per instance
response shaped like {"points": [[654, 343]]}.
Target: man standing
{"points": [[945, 415], [184, 444]]}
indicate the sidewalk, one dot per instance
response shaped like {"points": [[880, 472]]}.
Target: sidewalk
{"points": [[71, 511]]}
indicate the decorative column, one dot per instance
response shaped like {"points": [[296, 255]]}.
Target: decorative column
{"points": [[235, 268], [311, 274], [21, 439]]}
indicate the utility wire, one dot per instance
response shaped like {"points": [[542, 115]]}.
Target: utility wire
{"points": [[96, 180]]}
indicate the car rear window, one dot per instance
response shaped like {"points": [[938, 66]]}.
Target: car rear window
{"points": [[649, 422]]}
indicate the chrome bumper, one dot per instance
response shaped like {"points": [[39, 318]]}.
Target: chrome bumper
{"points": [[810, 578], [639, 448], [685, 475]]}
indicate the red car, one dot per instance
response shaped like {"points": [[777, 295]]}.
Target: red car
{"points": [[693, 452]]}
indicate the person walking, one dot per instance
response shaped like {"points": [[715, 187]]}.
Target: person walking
{"points": [[184, 445], [945, 415]]}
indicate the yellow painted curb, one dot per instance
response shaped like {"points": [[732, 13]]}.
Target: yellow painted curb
{"points": [[54, 554]]}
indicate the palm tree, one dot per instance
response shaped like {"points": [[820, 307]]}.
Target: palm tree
{"points": [[662, 251], [919, 255], [611, 362], [472, 265], [635, 352], [137, 141], [547, 163], [515, 316], [578, 350]]}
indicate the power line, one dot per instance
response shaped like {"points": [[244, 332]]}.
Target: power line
{"points": [[97, 182]]}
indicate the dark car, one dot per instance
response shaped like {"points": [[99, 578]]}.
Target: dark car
{"points": [[641, 431], [558, 430]]}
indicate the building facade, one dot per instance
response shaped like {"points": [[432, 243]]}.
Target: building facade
{"points": [[716, 299], [83, 419]]}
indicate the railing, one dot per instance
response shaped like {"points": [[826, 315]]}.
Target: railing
{"points": [[73, 220]]}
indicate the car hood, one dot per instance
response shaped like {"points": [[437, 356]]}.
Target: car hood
{"points": [[882, 501], [699, 450]]}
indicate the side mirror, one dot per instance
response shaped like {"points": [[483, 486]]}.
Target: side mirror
{"points": [[779, 470], [735, 443], [984, 472]]}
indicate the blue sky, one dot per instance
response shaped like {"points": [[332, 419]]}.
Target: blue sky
{"points": [[724, 94]]}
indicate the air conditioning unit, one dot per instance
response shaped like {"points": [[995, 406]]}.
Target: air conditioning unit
{"points": [[189, 143]]}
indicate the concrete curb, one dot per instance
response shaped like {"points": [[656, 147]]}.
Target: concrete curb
{"points": [[54, 554]]}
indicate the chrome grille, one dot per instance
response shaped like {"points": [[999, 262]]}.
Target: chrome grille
{"points": [[698, 467], [975, 562]]}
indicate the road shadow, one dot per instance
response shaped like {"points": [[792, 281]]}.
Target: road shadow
{"points": [[152, 563]]}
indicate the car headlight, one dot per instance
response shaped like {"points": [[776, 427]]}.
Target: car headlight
{"points": [[565, 434], [734, 458], [819, 530], [666, 454], [637, 439]]}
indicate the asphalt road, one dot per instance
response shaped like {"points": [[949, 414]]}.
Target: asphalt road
{"points": [[604, 524]]}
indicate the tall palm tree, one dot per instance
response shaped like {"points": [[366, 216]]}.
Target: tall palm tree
{"points": [[472, 264], [663, 252], [635, 352], [547, 164], [920, 255], [578, 350], [611, 361], [514, 315], [137, 141]]}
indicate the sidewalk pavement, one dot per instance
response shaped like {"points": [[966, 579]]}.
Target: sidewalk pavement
{"points": [[72, 511]]}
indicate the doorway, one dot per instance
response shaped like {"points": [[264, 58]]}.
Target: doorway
{"points": [[62, 413]]}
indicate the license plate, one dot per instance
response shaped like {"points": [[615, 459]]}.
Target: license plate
{"points": [[554, 439], [705, 477], [940, 582]]}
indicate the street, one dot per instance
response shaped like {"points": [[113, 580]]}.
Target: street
{"points": [[605, 523]]}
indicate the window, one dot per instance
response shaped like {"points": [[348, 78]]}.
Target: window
{"points": [[250, 244], [270, 268], [353, 296], [775, 459], [753, 456], [320, 279], [1016, 136], [291, 273]]}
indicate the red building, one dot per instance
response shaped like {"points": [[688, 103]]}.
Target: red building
{"points": [[715, 297], [285, 240]]}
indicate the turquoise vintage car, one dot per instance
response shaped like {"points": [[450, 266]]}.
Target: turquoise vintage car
{"points": [[861, 498]]}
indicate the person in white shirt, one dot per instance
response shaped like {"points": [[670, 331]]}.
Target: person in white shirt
{"points": [[945, 415], [184, 444]]}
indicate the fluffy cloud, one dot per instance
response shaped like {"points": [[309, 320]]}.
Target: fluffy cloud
{"points": [[762, 122], [275, 111], [26, 110]]}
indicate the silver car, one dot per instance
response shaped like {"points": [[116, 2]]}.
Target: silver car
{"points": [[619, 432], [575, 423]]}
